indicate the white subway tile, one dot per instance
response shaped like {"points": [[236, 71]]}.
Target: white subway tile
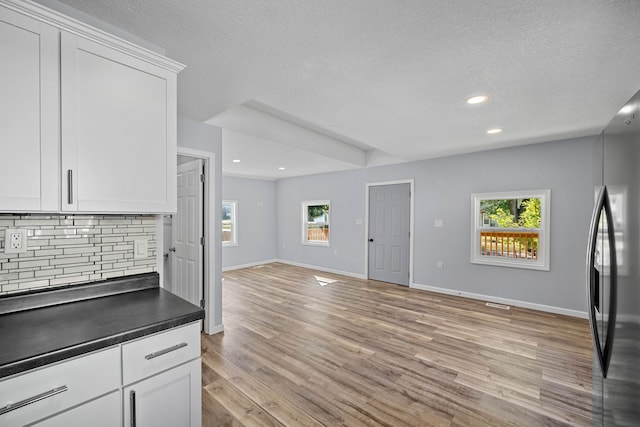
{"points": [[36, 222], [112, 257], [10, 287], [6, 266], [69, 280], [81, 269], [81, 250], [112, 239], [69, 260], [50, 272], [111, 274], [26, 275], [85, 222], [34, 284], [75, 248], [70, 240], [29, 264]]}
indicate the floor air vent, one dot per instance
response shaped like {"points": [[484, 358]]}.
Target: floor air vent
{"points": [[501, 306]]}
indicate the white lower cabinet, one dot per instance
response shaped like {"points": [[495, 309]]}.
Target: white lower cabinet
{"points": [[161, 374], [41, 393], [153, 381], [170, 399], [102, 412]]}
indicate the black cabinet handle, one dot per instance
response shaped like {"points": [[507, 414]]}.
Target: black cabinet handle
{"points": [[70, 186], [132, 402]]}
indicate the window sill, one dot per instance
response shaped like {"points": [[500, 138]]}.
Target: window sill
{"points": [[321, 244], [511, 264]]}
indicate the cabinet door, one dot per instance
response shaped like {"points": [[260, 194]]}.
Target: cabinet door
{"points": [[118, 131], [28, 114], [170, 399], [102, 412]]}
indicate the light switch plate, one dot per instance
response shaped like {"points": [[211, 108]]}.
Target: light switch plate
{"points": [[140, 248], [15, 241]]}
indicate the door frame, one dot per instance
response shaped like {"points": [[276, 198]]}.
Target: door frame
{"points": [[212, 307], [199, 218], [368, 185]]}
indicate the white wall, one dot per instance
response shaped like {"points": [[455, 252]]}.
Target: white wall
{"points": [[207, 138], [256, 221], [442, 189]]}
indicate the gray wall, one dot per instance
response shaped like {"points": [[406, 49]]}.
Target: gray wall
{"points": [[442, 189], [256, 216], [208, 138]]}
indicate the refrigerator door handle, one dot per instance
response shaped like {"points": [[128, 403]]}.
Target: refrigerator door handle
{"points": [[593, 285], [592, 272], [613, 286]]}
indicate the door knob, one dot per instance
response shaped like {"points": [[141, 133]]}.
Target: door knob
{"points": [[172, 249], [371, 240]]}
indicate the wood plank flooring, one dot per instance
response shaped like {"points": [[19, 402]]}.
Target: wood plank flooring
{"points": [[300, 351]]}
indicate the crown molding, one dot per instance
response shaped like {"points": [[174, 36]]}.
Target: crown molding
{"points": [[71, 25]]}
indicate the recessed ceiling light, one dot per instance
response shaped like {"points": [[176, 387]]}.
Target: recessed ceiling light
{"points": [[236, 160], [281, 168], [494, 131], [626, 109], [478, 99]]}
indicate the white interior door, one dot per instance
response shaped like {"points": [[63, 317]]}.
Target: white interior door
{"points": [[389, 227], [187, 234]]}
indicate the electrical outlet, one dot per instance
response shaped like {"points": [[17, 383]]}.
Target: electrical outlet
{"points": [[140, 248], [15, 241], [440, 265]]}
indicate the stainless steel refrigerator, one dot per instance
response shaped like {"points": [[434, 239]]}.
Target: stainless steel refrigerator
{"points": [[613, 271]]}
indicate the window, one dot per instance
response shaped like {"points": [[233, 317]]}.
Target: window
{"points": [[511, 229], [315, 222], [229, 223]]}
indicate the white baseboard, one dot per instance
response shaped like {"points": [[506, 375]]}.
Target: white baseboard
{"points": [[251, 264], [216, 329], [517, 303], [328, 270]]}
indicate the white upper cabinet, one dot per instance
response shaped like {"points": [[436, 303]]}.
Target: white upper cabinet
{"points": [[118, 131], [29, 125], [89, 122]]}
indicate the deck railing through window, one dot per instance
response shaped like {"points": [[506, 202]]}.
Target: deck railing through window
{"points": [[320, 234], [509, 244]]}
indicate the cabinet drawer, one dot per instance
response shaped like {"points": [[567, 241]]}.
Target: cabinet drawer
{"points": [[105, 411], [44, 392], [159, 352]]}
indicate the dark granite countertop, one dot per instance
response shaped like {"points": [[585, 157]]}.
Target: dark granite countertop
{"points": [[97, 317]]}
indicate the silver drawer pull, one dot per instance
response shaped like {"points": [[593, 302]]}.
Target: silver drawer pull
{"points": [[13, 406], [165, 351]]}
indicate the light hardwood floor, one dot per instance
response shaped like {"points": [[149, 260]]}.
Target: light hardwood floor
{"points": [[298, 351]]}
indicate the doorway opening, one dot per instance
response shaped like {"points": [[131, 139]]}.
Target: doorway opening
{"points": [[188, 236]]}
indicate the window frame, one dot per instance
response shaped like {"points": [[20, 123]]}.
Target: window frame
{"points": [[544, 241], [234, 223], [305, 223]]}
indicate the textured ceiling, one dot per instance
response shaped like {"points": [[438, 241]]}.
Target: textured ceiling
{"points": [[390, 77]]}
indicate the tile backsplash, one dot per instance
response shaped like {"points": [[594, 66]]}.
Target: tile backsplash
{"points": [[67, 249]]}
